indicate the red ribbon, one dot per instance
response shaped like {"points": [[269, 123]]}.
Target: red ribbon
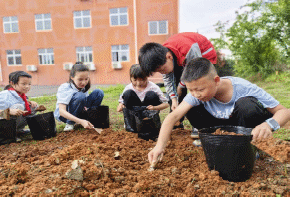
{"points": [[27, 106]]}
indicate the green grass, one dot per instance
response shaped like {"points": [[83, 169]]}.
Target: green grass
{"points": [[277, 86]]}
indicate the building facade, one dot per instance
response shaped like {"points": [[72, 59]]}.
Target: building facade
{"points": [[45, 38]]}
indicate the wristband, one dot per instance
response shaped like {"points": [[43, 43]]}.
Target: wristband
{"points": [[273, 124]]}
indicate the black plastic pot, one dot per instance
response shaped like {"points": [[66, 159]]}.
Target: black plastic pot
{"points": [[148, 124], [232, 156], [42, 126], [7, 131], [99, 116]]}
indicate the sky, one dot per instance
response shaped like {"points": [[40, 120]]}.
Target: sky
{"points": [[200, 15]]}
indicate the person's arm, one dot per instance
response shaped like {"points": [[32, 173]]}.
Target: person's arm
{"points": [[120, 107], [166, 130], [158, 107], [170, 87], [4, 100], [64, 113], [17, 112], [280, 114]]}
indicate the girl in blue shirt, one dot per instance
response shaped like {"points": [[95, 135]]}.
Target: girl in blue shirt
{"points": [[73, 98]]}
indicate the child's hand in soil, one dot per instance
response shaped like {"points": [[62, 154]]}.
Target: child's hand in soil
{"points": [[261, 131], [86, 124], [33, 104], [17, 112], [151, 107], [155, 155]]}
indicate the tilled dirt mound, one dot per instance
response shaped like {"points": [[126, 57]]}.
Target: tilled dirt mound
{"points": [[115, 163], [277, 148]]}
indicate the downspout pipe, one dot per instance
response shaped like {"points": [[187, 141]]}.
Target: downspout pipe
{"points": [[135, 32]]}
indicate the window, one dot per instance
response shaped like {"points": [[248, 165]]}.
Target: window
{"points": [[14, 57], [42, 22], [82, 19], [46, 56], [158, 27], [10, 24], [84, 54], [118, 16], [120, 53]]}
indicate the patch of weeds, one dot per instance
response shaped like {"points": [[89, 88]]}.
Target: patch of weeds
{"points": [[283, 134]]}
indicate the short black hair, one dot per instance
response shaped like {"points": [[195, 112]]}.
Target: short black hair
{"points": [[79, 67], [197, 68], [137, 72], [14, 77], [151, 56]]}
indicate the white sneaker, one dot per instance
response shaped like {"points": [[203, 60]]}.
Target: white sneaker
{"points": [[68, 127]]}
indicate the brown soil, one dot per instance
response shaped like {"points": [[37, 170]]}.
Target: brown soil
{"points": [[38, 168], [222, 132], [277, 148]]}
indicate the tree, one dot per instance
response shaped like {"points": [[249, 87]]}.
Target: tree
{"points": [[220, 43], [254, 38]]}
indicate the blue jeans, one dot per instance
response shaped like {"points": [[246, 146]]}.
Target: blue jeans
{"points": [[80, 100]]}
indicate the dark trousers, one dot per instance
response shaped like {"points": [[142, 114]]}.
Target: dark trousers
{"points": [[248, 112], [131, 99]]}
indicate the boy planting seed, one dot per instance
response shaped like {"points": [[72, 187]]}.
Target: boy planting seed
{"points": [[214, 101]]}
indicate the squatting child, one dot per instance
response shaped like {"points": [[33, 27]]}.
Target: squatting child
{"points": [[141, 92], [214, 101], [170, 58], [73, 98], [15, 103]]}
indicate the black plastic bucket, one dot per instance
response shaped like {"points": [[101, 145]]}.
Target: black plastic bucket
{"points": [[148, 124], [7, 131], [42, 126], [99, 116], [232, 156]]}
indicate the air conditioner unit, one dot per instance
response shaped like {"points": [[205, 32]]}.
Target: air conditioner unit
{"points": [[91, 66], [117, 65], [67, 66], [31, 68]]}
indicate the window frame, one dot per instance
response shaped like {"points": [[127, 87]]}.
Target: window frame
{"points": [[10, 22], [158, 28], [43, 20], [82, 19], [49, 56], [14, 56], [86, 54], [120, 50], [118, 15]]}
